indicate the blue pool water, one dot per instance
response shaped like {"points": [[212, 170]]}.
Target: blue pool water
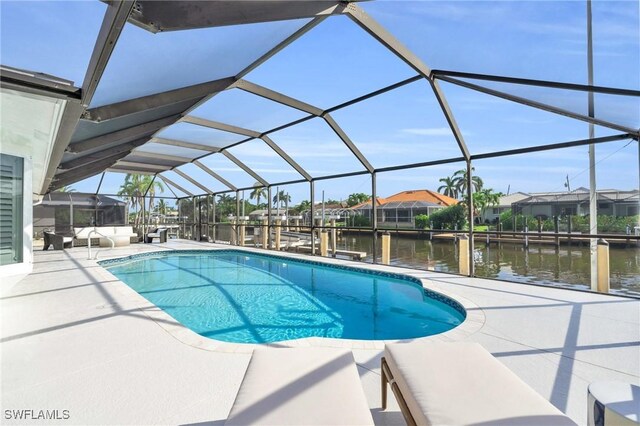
{"points": [[235, 296]]}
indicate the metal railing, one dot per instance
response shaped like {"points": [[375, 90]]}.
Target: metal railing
{"points": [[113, 244]]}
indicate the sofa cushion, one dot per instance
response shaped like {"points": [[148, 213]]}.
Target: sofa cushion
{"points": [[83, 232], [463, 384], [301, 386], [124, 230], [106, 230]]}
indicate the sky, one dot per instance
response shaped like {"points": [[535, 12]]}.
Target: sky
{"points": [[337, 61]]}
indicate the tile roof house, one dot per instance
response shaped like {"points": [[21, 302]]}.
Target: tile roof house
{"points": [[400, 209]]}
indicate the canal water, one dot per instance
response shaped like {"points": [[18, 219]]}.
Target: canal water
{"points": [[568, 266]]}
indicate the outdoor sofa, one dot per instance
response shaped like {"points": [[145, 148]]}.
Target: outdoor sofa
{"points": [[461, 384], [58, 241], [301, 386], [160, 233], [81, 235]]}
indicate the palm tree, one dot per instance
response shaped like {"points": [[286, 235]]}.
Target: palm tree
{"points": [[281, 197], [162, 207], [150, 185], [134, 188], [486, 198], [460, 180], [257, 193], [449, 187], [65, 188], [304, 205], [130, 190]]}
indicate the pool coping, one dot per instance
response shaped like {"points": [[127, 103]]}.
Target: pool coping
{"points": [[472, 323]]}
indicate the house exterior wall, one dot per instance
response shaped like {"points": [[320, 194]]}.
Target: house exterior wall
{"points": [[26, 265]]}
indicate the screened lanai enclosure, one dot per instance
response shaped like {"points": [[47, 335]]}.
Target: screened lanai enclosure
{"points": [[197, 113]]}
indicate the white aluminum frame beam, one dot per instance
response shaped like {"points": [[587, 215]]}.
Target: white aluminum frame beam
{"points": [[219, 126], [286, 157], [345, 139], [79, 173], [172, 15], [539, 105], [185, 144], [215, 176], [245, 168], [193, 181], [158, 156], [378, 32], [113, 22], [175, 185], [124, 135], [115, 18], [280, 98], [157, 100], [133, 165], [116, 169], [249, 133], [310, 109], [122, 150]]}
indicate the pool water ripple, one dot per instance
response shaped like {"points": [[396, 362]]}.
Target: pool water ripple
{"points": [[235, 296]]}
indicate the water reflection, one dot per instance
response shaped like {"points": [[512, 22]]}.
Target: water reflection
{"points": [[566, 266]]}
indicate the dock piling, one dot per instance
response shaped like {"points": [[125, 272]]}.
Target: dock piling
{"points": [[324, 243], [603, 266], [265, 233], [463, 255], [278, 229], [334, 236], [386, 248]]}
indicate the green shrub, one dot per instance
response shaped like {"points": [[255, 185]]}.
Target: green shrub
{"points": [[606, 224], [421, 221], [452, 217], [360, 220]]}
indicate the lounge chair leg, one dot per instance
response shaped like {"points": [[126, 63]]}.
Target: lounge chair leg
{"points": [[384, 382]]}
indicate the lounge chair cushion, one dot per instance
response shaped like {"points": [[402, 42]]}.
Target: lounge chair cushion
{"points": [[301, 386], [463, 384]]}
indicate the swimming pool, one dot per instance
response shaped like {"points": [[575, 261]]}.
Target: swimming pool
{"points": [[242, 297]]}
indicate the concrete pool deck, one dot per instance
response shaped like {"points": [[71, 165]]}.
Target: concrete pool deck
{"points": [[72, 338]]}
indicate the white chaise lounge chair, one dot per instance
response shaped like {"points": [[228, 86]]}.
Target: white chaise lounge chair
{"points": [[461, 384], [301, 386]]}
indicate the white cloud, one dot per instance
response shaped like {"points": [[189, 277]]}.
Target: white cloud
{"points": [[432, 131]]}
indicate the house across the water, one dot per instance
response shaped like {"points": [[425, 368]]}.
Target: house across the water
{"points": [[400, 209], [611, 202]]}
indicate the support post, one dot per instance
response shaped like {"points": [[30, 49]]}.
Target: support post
{"points": [[526, 236], [603, 266], [278, 228], [471, 218], [264, 231], [463, 255], [386, 248], [241, 232], [374, 218], [593, 197], [324, 243], [233, 238], [313, 219], [268, 229], [236, 228], [334, 235], [213, 215]]}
